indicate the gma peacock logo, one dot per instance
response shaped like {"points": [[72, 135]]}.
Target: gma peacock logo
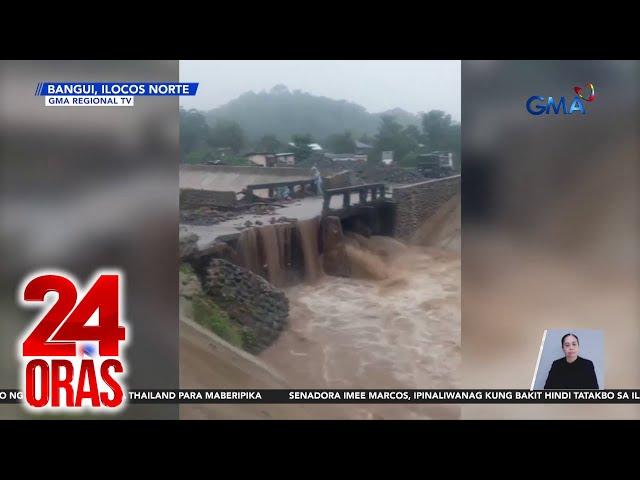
{"points": [[538, 105]]}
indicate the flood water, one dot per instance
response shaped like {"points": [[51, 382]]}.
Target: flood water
{"points": [[399, 330], [393, 324]]}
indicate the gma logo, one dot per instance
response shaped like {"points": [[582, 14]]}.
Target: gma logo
{"points": [[537, 105], [549, 104]]}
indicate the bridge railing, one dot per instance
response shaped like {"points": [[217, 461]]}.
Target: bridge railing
{"points": [[368, 194], [271, 187]]}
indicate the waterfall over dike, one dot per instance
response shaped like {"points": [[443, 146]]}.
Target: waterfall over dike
{"points": [[299, 252]]}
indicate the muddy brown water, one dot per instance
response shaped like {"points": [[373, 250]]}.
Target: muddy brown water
{"points": [[394, 324], [398, 328]]}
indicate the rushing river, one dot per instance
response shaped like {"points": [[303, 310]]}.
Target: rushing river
{"points": [[398, 328]]}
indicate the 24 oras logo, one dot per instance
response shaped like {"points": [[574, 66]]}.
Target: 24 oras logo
{"points": [[72, 348], [537, 105]]}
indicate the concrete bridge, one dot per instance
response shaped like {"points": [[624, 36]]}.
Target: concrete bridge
{"points": [[306, 185], [366, 208], [376, 207]]}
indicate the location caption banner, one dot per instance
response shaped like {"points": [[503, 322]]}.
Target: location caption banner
{"points": [[135, 89], [185, 396], [108, 94]]}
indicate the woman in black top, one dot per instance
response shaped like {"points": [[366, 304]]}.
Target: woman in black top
{"points": [[572, 371]]}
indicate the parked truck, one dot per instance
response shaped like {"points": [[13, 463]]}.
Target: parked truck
{"points": [[436, 164]]}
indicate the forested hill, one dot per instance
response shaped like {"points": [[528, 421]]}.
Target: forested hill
{"points": [[283, 113]]}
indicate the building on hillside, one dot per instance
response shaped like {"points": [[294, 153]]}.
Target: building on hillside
{"points": [[363, 148], [263, 159], [270, 159], [285, 159], [387, 157]]}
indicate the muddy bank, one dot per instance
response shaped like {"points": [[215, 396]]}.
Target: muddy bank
{"points": [[213, 215]]}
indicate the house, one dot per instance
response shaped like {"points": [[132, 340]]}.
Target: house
{"points": [[270, 159], [387, 157], [285, 159], [363, 148], [346, 157], [263, 159]]}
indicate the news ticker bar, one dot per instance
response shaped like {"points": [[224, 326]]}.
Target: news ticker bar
{"points": [[237, 396]]}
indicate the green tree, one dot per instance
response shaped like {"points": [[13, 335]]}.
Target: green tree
{"points": [[454, 140], [368, 139], [302, 139], [340, 143], [269, 143], [413, 133], [392, 136], [441, 133], [194, 131], [301, 147], [227, 134], [435, 127]]}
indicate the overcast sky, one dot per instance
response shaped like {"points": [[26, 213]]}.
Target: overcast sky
{"points": [[377, 85]]}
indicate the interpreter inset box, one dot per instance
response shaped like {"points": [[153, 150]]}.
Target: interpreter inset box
{"points": [[570, 359]]}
